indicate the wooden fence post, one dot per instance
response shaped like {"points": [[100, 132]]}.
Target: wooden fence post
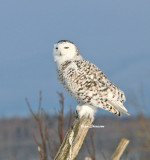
{"points": [[120, 149], [74, 139]]}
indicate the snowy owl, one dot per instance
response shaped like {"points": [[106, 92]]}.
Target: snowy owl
{"points": [[86, 82]]}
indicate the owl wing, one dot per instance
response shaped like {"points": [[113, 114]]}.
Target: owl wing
{"points": [[88, 84]]}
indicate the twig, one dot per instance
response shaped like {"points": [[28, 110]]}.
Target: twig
{"points": [[40, 101], [88, 149], [93, 146], [91, 154], [61, 117], [102, 151], [31, 111], [42, 149], [42, 137], [48, 143]]}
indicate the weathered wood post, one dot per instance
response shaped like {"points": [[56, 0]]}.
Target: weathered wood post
{"points": [[74, 139], [120, 149]]}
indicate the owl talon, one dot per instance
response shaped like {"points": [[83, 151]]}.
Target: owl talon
{"points": [[76, 115]]}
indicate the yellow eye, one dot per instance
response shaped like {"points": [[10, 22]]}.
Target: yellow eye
{"points": [[66, 47]]}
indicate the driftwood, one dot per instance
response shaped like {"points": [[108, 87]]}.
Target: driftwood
{"points": [[120, 149], [74, 139]]}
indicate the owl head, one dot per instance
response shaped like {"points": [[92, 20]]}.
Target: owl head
{"points": [[64, 50]]}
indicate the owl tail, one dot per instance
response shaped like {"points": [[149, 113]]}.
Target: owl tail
{"points": [[119, 107]]}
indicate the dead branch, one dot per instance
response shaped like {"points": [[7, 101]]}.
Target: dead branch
{"points": [[91, 153], [42, 148], [74, 139], [61, 117], [120, 149], [102, 151]]}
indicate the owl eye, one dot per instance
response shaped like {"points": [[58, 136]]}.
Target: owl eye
{"points": [[66, 47], [56, 47]]}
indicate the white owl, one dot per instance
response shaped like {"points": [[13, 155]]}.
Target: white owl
{"points": [[86, 82]]}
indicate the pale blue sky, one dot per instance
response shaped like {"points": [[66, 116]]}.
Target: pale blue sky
{"points": [[115, 35]]}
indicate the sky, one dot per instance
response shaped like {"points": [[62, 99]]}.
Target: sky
{"points": [[114, 35]]}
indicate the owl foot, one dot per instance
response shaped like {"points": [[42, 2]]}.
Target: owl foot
{"points": [[85, 110]]}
